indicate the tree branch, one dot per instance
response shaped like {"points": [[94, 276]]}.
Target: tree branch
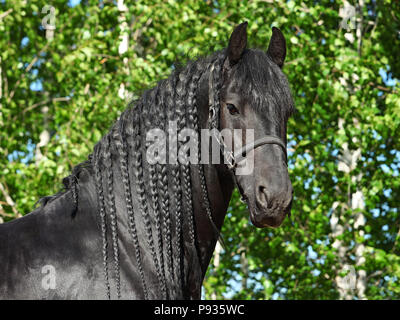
{"points": [[9, 200], [5, 14]]}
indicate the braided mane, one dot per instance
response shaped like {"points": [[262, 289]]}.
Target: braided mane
{"points": [[164, 191]]}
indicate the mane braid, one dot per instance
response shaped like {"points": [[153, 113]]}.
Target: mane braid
{"points": [[217, 86], [71, 183], [102, 213], [155, 199], [157, 211], [176, 185], [165, 212], [191, 122], [120, 141], [112, 210], [181, 124], [195, 270], [154, 172], [162, 184], [206, 201], [169, 101], [140, 189]]}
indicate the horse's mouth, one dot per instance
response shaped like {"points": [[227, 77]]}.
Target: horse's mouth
{"points": [[267, 221], [262, 217]]}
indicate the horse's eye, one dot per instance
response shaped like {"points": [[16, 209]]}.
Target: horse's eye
{"points": [[232, 109]]}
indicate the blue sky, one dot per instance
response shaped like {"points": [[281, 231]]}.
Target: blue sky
{"points": [[73, 3]]}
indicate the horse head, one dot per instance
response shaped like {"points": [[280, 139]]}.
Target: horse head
{"points": [[255, 95]]}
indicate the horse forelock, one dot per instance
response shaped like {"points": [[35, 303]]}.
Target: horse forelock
{"points": [[262, 82]]}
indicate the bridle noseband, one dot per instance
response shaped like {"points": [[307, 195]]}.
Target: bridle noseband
{"points": [[267, 139]]}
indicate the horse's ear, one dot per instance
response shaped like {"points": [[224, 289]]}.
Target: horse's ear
{"points": [[277, 47], [237, 43]]}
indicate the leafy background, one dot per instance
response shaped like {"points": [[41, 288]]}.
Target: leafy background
{"points": [[60, 92]]}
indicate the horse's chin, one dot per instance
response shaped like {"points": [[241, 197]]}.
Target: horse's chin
{"points": [[266, 218]]}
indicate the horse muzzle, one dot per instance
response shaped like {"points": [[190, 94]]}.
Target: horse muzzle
{"points": [[271, 206]]}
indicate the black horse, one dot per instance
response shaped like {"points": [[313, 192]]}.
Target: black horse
{"points": [[127, 228]]}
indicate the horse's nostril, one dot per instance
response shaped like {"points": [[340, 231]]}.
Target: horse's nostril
{"points": [[263, 197]]}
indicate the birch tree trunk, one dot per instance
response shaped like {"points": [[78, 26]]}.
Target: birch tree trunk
{"points": [[358, 203], [353, 285], [244, 265], [217, 256], [44, 137], [123, 45]]}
